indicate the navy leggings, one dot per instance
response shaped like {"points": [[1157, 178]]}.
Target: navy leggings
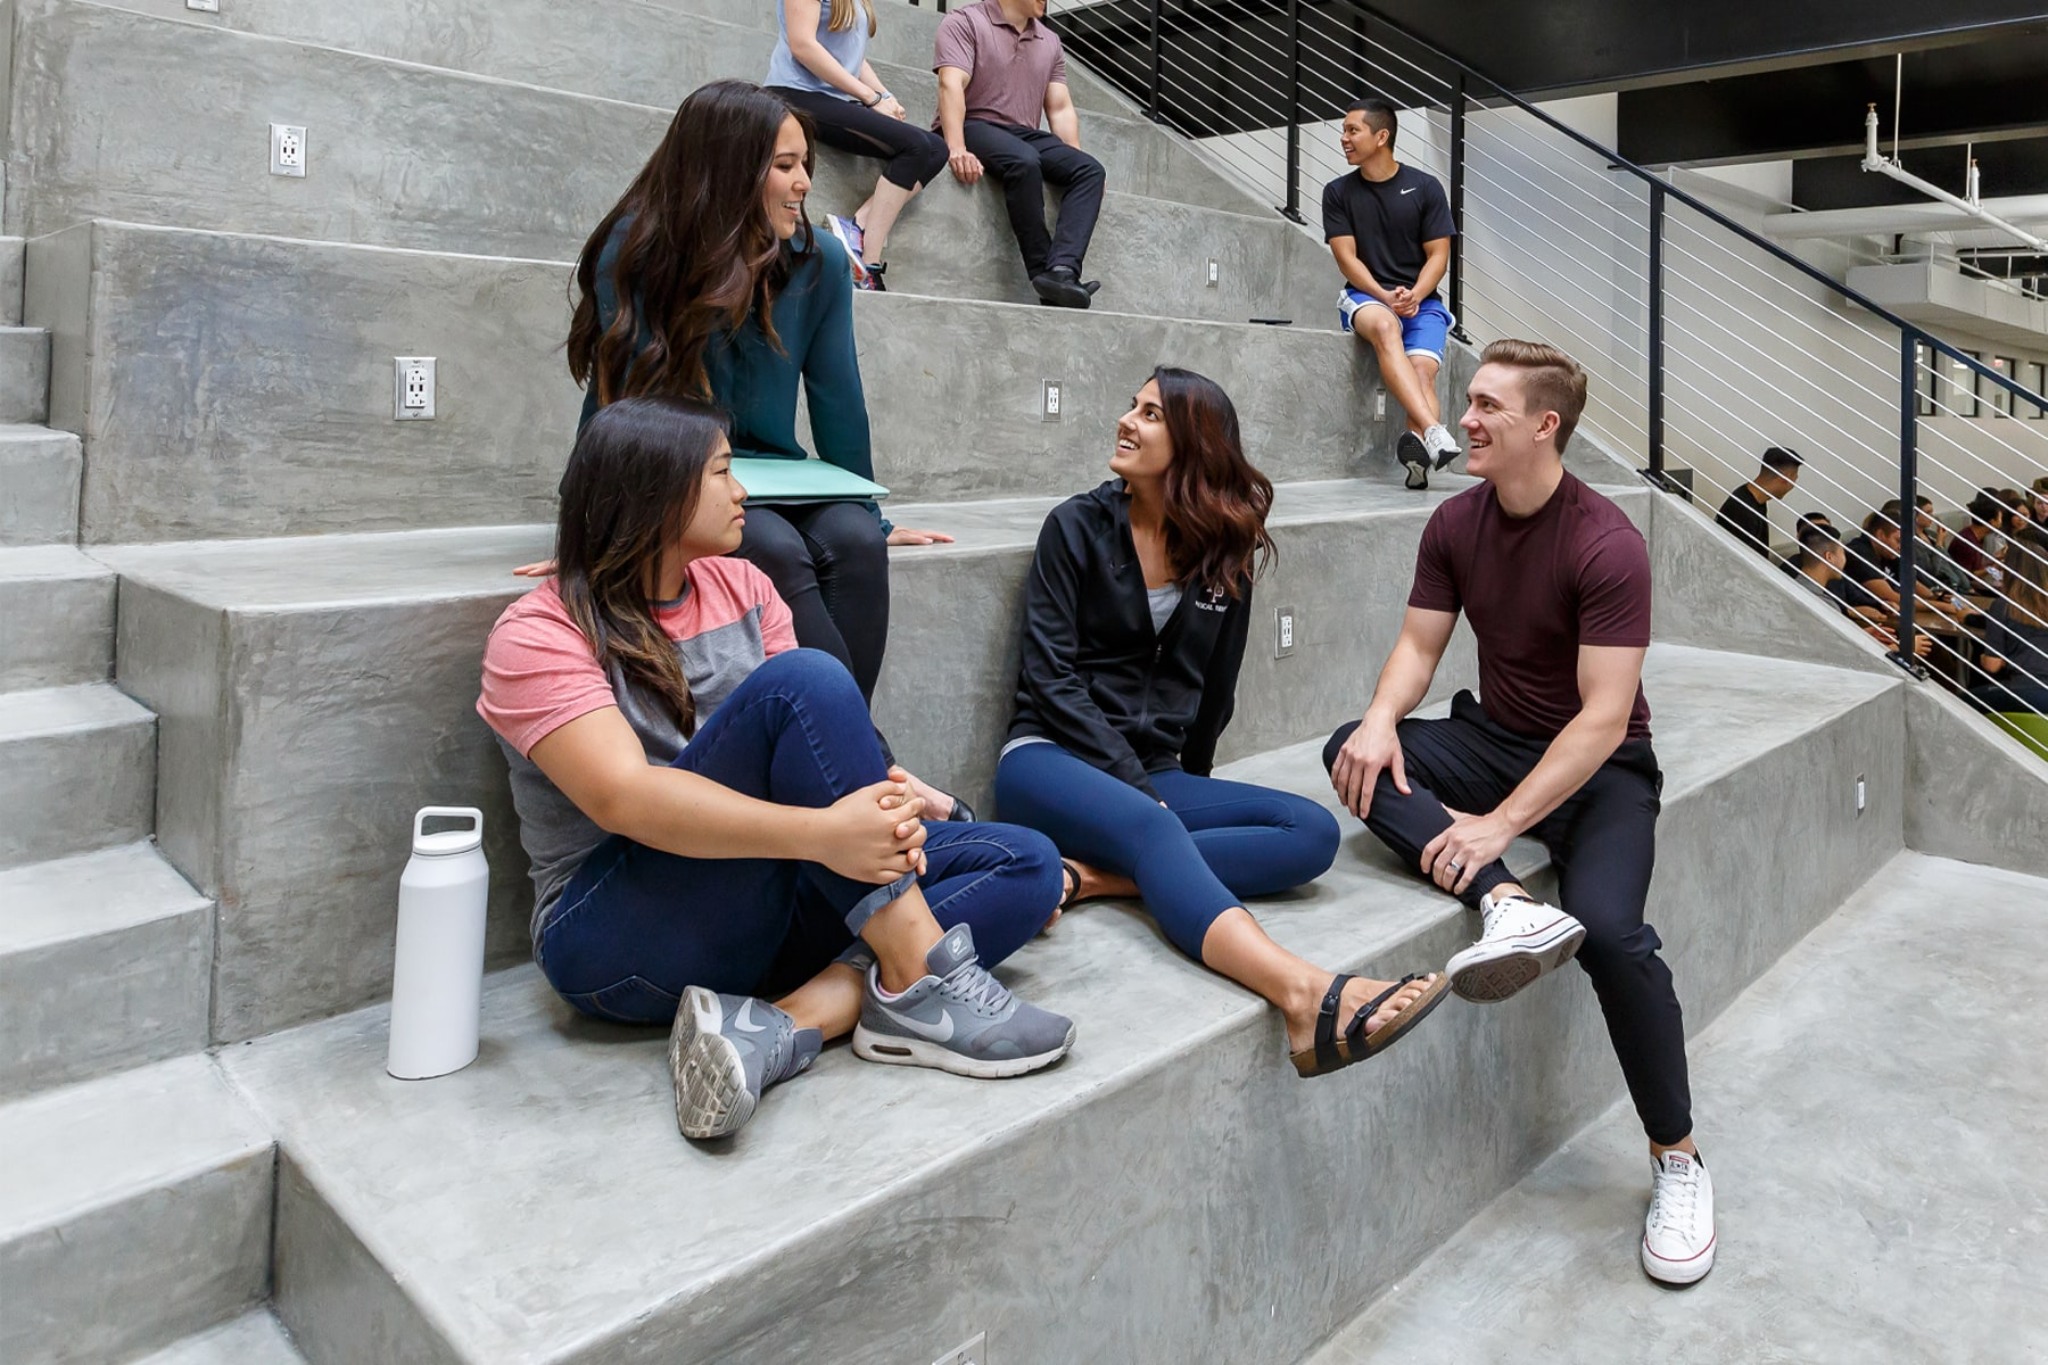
{"points": [[1603, 840], [1211, 846], [635, 926]]}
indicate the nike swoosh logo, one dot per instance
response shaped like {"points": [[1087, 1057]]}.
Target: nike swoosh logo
{"points": [[744, 1020], [938, 1033], [1409, 190]]}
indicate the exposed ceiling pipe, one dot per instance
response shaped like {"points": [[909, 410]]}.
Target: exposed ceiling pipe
{"points": [[1912, 220], [1874, 160]]}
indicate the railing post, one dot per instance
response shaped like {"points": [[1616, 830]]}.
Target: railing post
{"points": [[1655, 472], [1291, 210], [1909, 495], [1458, 208], [1152, 89]]}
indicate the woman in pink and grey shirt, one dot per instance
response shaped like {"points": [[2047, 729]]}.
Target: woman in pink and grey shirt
{"points": [[710, 821]]}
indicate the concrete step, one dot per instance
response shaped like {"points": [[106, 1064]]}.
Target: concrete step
{"points": [[1827, 1140], [105, 962], [134, 1210], [255, 1338], [157, 328], [56, 618], [11, 255], [77, 772], [39, 477], [293, 743], [24, 374], [449, 163], [649, 53], [1053, 1213]]}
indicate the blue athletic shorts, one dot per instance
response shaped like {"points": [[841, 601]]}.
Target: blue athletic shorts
{"points": [[1423, 334]]}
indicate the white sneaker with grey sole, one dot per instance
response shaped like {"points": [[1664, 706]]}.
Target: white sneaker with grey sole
{"points": [[1522, 939], [958, 1019], [1678, 1234]]}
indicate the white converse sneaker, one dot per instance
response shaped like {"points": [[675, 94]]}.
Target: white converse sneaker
{"points": [[1522, 940], [1678, 1235]]}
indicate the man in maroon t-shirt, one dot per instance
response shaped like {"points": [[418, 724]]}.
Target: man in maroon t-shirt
{"points": [[1555, 580]]}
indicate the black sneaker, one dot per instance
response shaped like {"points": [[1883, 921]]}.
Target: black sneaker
{"points": [[1061, 287], [1414, 457]]}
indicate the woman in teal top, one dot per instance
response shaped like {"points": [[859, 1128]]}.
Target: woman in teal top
{"points": [[820, 68], [705, 281]]}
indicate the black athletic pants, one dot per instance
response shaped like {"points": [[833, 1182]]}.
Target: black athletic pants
{"points": [[1026, 160], [830, 562], [911, 155], [1603, 842]]}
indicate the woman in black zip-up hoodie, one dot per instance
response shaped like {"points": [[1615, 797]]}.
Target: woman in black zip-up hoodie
{"points": [[1135, 620]]}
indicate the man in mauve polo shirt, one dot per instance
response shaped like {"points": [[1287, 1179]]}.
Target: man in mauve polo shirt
{"points": [[1000, 68], [1555, 581]]}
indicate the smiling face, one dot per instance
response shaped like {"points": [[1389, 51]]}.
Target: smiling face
{"points": [[1358, 139], [788, 182], [1500, 431], [719, 518], [1143, 447]]}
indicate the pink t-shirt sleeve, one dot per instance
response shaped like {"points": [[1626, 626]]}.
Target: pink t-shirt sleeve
{"points": [[539, 673], [1435, 588], [1059, 66], [954, 45], [1614, 591]]}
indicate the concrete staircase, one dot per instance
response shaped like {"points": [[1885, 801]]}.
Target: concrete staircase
{"points": [[242, 624]]}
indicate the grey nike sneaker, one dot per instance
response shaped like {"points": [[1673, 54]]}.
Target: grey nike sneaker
{"points": [[958, 1019], [724, 1051]]}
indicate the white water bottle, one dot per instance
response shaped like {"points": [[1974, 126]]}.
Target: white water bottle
{"points": [[437, 973]]}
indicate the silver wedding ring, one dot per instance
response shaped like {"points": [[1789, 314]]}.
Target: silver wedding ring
{"points": [[1457, 867]]}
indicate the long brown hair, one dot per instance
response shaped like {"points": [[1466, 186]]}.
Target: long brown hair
{"points": [[842, 15], [699, 255], [1216, 500], [630, 489]]}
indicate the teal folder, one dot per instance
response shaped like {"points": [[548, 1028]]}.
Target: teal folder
{"points": [[812, 480]]}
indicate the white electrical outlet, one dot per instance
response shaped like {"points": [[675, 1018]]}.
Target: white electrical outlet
{"points": [[1049, 400], [413, 391], [971, 1352], [1215, 271], [1862, 794], [1284, 624], [1379, 404], [287, 149], [204, 6]]}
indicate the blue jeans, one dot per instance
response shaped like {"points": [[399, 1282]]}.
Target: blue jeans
{"points": [[1211, 846], [636, 926]]}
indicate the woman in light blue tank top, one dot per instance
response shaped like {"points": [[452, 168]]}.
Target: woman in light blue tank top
{"points": [[820, 67]]}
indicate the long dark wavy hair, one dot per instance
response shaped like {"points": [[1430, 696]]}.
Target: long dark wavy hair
{"points": [[630, 489], [700, 254], [1216, 499]]}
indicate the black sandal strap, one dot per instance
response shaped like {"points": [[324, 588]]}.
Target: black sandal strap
{"points": [[1326, 1023], [1070, 876], [1355, 1032]]}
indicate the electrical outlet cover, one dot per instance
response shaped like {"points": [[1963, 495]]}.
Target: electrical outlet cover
{"points": [[204, 6], [971, 1352], [412, 397], [1049, 400], [287, 149]]}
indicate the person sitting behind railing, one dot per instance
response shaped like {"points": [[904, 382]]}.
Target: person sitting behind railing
{"points": [[1934, 541], [1818, 569], [2016, 639], [1745, 515], [1979, 548], [1873, 563]]}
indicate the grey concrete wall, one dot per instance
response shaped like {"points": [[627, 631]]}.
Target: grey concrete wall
{"points": [[56, 619], [24, 374], [39, 476], [1973, 793], [215, 402], [452, 162], [648, 53], [77, 769]]}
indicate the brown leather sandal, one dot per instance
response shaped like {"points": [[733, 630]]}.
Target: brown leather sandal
{"points": [[1333, 1052]]}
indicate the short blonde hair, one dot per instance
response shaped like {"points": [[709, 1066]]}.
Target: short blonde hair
{"points": [[1551, 380]]}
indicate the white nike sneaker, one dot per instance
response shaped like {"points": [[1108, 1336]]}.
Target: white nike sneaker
{"points": [[1522, 940], [1442, 446], [1678, 1235]]}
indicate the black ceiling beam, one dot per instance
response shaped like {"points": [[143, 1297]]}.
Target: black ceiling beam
{"points": [[1966, 92], [2008, 168]]}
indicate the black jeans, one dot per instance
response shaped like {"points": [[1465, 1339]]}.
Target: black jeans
{"points": [[911, 155], [1603, 840], [1026, 160], [830, 562]]}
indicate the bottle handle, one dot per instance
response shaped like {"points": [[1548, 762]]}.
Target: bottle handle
{"points": [[420, 819]]}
